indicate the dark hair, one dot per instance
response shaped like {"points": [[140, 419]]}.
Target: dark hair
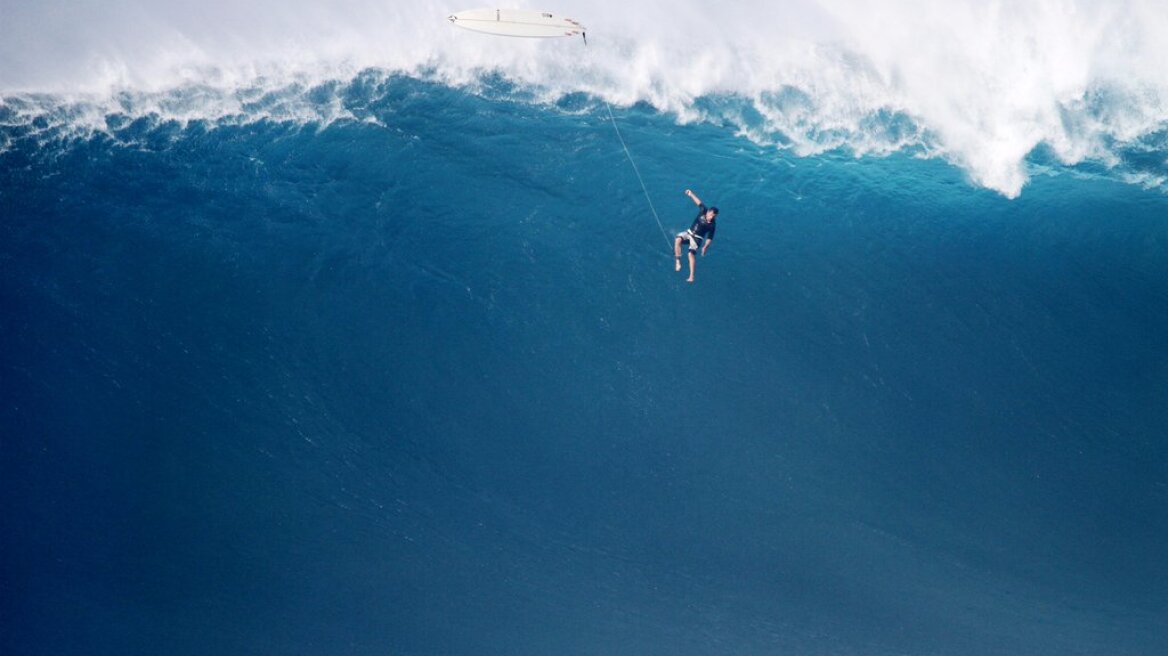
{"points": [[714, 210]]}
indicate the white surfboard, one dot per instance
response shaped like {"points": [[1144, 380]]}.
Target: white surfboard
{"points": [[517, 22]]}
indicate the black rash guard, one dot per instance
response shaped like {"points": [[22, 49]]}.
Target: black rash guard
{"points": [[701, 228]]}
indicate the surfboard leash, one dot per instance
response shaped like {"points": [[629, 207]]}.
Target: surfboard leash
{"points": [[611, 117]]}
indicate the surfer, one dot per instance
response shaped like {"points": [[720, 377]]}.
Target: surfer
{"points": [[700, 233]]}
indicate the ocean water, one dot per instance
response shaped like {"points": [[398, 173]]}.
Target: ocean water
{"points": [[379, 349]]}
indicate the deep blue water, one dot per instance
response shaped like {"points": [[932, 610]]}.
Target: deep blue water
{"points": [[428, 384]]}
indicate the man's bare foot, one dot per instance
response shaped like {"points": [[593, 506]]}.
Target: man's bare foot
{"points": [[676, 264], [689, 279]]}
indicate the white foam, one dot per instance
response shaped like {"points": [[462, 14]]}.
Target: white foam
{"points": [[985, 81]]}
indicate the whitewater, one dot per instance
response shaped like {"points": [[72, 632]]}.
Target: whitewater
{"points": [[983, 85]]}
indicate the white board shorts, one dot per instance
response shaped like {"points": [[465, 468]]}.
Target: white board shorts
{"points": [[694, 240]]}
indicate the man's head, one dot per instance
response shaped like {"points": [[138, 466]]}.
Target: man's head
{"points": [[711, 213]]}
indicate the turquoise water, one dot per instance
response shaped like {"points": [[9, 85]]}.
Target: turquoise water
{"points": [[422, 380]]}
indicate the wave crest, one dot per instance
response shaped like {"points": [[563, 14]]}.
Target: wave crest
{"points": [[1105, 133]]}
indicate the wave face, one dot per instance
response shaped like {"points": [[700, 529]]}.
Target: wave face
{"points": [[993, 88], [417, 376]]}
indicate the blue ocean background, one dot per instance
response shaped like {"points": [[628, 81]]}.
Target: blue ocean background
{"points": [[415, 375]]}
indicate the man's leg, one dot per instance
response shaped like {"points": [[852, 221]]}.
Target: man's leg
{"points": [[691, 267], [677, 254]]}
